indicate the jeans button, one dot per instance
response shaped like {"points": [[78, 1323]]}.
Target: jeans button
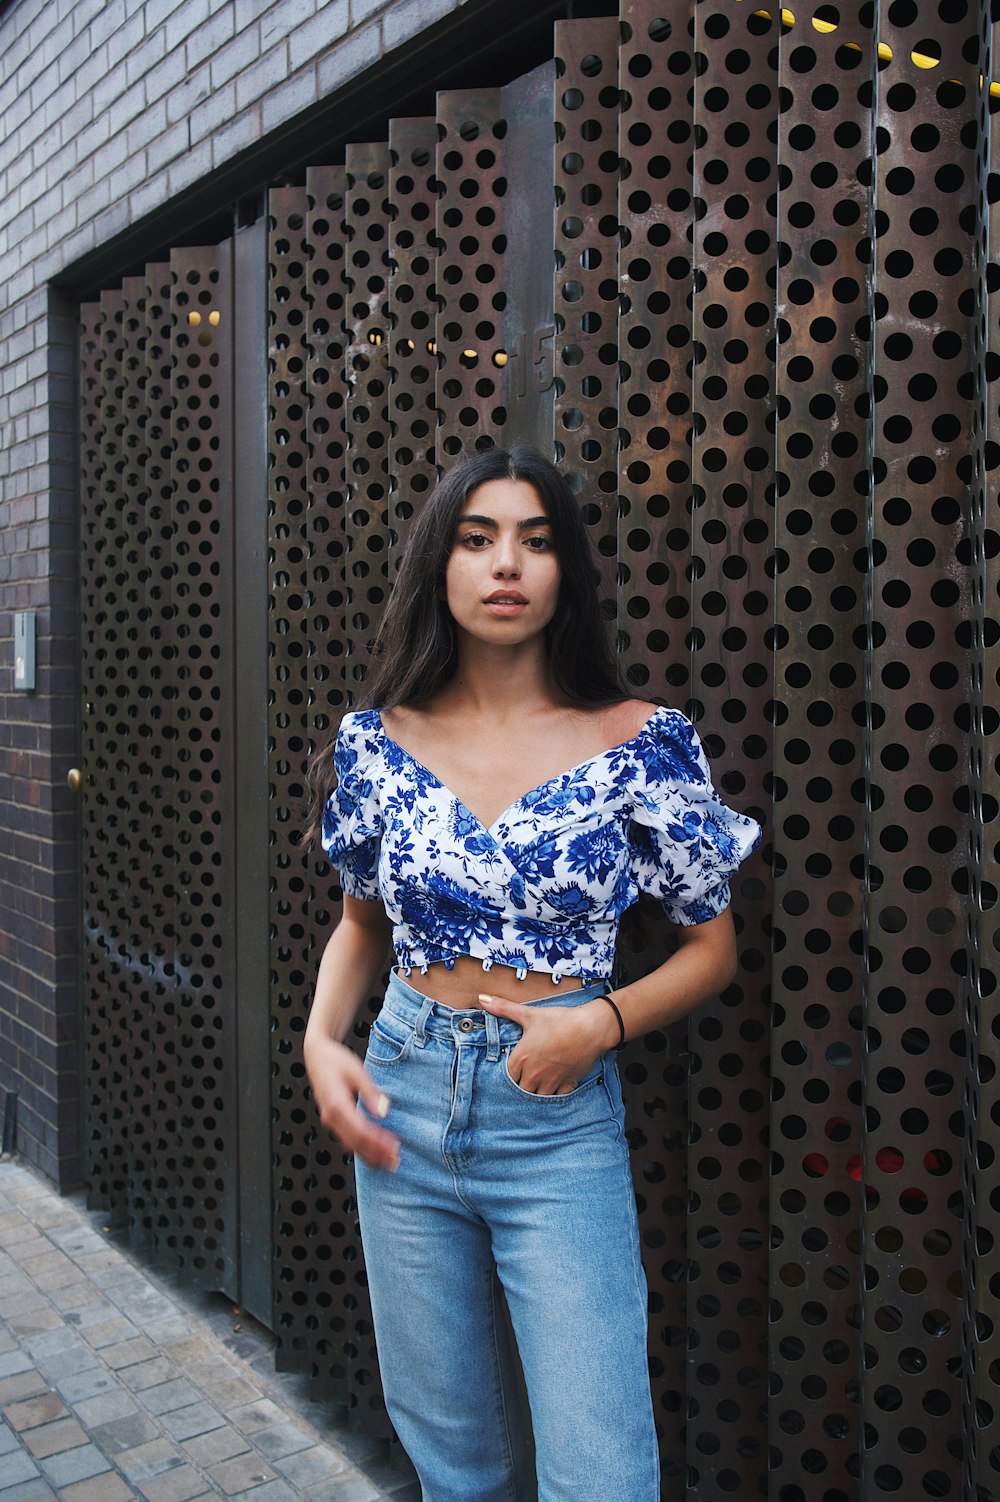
{"points": [[465, 1024]]}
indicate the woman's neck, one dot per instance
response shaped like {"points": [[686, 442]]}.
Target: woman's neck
{"points": [[499, 683]]}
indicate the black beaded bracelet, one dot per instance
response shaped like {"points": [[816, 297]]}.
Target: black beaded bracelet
{"points": [[621, 1021]]}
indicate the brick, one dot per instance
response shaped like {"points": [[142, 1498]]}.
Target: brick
{"points": [[283, 18], [287, 100], [237, 56], [408, 17], [356, 53], [319, 34], [213, 112]]}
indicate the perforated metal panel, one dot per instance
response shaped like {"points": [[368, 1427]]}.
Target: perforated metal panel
{"points": [[156, 365], [761, 339]]}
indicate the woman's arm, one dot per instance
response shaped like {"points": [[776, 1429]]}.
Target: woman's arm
{"points": [[559, 1044], [352, 963]]}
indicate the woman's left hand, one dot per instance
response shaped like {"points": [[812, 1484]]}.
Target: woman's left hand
{"points": [[558, 1045]]}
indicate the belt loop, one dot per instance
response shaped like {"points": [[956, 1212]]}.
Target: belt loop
{"points": [[419, 1027], [492, 1037]]}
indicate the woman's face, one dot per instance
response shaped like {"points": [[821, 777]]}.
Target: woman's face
{"points": [[502, 576]]}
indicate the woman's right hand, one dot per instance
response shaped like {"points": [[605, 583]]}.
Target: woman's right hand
{"points": [[339, 1080]]}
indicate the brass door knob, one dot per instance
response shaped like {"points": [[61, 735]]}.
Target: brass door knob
{"points": [[74, 779]]}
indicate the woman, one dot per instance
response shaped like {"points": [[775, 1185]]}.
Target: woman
{"points": [[495, 812]]}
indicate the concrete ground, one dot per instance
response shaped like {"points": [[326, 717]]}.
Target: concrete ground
{"points": [[116, 1385]]}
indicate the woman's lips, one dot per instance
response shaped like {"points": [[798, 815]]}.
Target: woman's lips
{"points": [[505, 603]]}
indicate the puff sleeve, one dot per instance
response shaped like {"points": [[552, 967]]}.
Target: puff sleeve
{"points": [[686, 842], [352, 818]]}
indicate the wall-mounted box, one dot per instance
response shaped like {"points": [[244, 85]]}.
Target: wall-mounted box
{"points": [[24, 649]]}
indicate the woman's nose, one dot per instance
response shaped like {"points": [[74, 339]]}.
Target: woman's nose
{"points": [[505, 558]]}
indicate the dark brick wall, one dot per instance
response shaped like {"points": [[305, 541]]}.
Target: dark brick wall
{"points": [[108, 111]]}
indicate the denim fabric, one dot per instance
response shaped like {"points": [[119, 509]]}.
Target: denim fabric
{"points": [[534, 1190]]}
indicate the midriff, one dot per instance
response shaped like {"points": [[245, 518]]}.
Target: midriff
{"points": [[462, 984]]}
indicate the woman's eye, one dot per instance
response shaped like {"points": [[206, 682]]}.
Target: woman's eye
{"points": [[474, 539], [539, 544]]}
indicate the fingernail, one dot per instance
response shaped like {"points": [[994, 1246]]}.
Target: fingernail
{"points": [[382, 1105], [394, 1164], [483, 997]]}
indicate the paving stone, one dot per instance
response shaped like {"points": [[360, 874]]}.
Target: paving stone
{"points": [[54, 1438], [22, 1385], [52, 1342], [353, 1488], [282, 1439], [108, 1332], [122, 1435], [85, 1384], [196, 1418], [35, 1411], [76, 1296], [28, 1491], [271, 1491], [148, 1374], [74, 1465], [32, 1321], [12, 1363], [217, 1445], [308, 1467], [106, 1406], [149, 1460], [250, 1418], [8, 1441], [187, 1350], [181, 1485], [59, 1275], [177, 1393], [128, 1352], [109, 1488], [242, 1473], [228, 1392], [74, 1362], [19, 1467]]}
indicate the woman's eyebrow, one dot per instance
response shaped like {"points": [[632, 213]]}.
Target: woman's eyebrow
{"points": [[489, 521]]}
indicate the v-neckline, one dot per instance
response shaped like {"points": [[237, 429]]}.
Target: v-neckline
{"points": [[546, 782]]}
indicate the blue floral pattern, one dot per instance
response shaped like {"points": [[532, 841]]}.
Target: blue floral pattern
{"points": [[544, 887]]}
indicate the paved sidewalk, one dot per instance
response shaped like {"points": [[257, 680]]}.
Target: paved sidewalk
{"points": [[118, 1386]]}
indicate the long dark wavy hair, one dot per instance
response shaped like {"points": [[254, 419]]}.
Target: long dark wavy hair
{"points": [[415, 648]]}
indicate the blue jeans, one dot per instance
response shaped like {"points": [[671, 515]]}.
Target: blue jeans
{"points": [[534, 1191]]}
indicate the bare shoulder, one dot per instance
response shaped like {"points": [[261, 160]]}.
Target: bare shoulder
{"points": [[623, 721]]}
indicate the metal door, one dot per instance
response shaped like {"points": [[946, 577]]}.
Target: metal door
{"points": [[175, 961]]}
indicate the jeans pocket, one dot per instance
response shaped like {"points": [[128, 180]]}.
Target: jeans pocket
{"points": [[593, 1077], [389, 1041]]}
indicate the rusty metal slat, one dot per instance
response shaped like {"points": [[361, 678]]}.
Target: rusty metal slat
{"points": [[366, 221], [730, 698], [198, 1188], [469, 231], [654, 213], [412, 296], [981, 1337], [821, 485], [290, 326], [917, 702], [525, 300], [159, 957], [656, 145], [106, 988], [136, 700], [326, 389], [587, 293]]}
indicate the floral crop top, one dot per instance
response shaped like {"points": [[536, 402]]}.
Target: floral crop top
{"points": [[544, 887]]}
